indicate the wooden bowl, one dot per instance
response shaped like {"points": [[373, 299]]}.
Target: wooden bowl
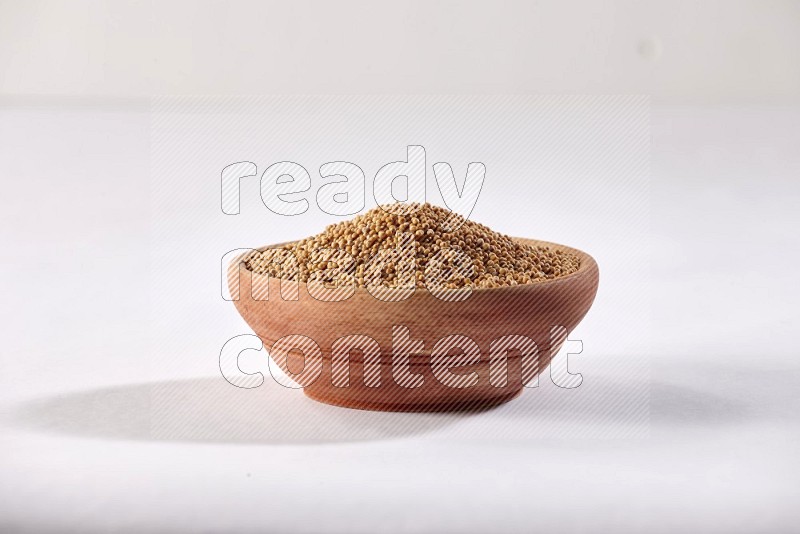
{"points": [[542, 313]]}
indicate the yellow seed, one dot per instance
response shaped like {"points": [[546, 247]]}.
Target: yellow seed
{"points": [[497, 260]]}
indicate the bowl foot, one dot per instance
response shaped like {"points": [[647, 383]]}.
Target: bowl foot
{"points": [[456, 406]]}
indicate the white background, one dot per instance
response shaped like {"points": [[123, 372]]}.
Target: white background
{"points": [[84, 450], [712, 51]]}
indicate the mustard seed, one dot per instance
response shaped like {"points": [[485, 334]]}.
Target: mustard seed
{"points": [[497, 260]]}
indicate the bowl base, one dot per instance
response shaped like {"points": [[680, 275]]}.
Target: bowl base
{"points": [[473, 405]]}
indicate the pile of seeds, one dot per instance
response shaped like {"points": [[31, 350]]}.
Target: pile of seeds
{"points": [[497, 260]]}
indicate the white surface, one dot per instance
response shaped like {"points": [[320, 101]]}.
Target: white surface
{"points": [[720, 50], [78, 452]]}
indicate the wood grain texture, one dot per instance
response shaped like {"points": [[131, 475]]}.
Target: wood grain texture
{"points": [[529, 310]]}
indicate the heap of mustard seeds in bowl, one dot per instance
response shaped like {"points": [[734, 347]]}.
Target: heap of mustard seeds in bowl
{"points": [[497, 260]]}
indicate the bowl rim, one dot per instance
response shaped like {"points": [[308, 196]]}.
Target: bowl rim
{"points": [[587, 263]]}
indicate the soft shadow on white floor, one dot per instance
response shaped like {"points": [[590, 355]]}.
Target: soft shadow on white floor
{"points": [[211, 410]]}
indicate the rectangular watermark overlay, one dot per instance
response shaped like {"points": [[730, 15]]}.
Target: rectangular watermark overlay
{"points": [[234, 177]]}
